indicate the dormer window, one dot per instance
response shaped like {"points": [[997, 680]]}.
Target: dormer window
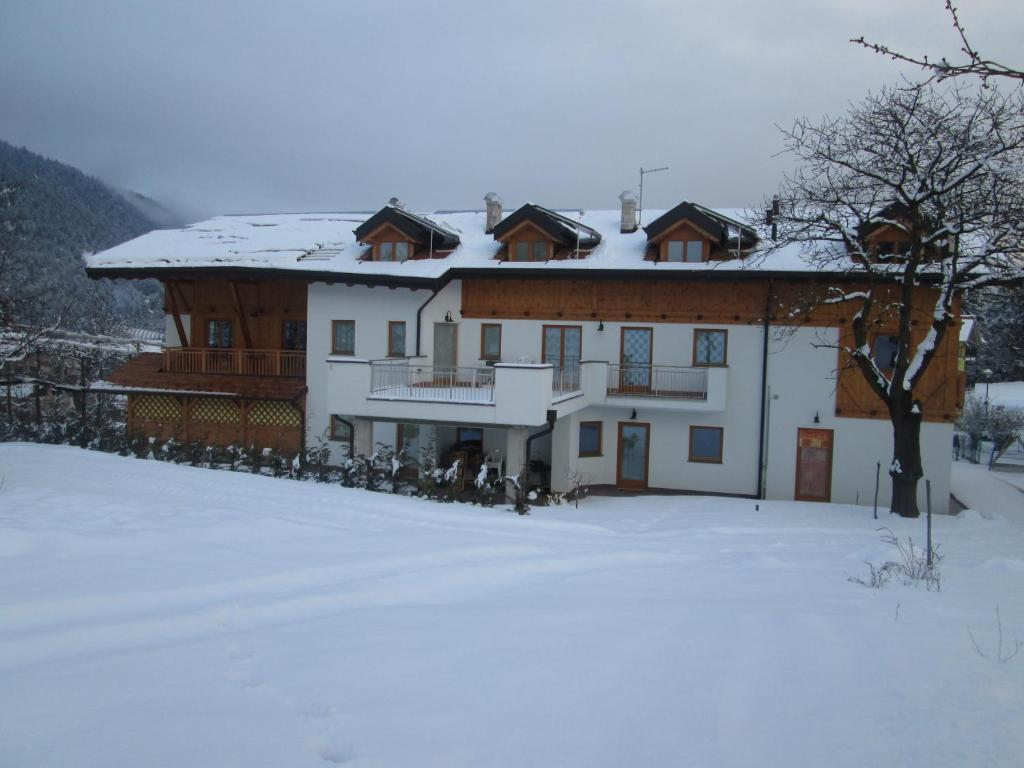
{"points": [[536, 234], [530, 250], [393, 251], [685, 250]]}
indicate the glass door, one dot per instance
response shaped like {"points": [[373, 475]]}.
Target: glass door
{"points": [[445, 341], [562, 347], [636, 344], [634, 446]]}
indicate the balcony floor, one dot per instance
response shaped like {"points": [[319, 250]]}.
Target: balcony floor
{"points": [[143, 373]]}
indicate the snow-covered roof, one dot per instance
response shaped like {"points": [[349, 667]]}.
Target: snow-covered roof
{"points": [[324, 243]]}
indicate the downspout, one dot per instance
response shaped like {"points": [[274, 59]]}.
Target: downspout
{"points": [[761, 448], [419, 312], [552, 417]]}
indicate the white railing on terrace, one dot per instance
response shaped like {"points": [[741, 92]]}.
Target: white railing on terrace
{"points": [[658, 381], [404, 381], [565, 380]]}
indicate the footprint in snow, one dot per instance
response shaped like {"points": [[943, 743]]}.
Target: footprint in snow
{"points": [[331, 749]]}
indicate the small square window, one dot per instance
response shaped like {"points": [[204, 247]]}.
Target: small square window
{"points": [[706, 444], [401, 251], [590, 438], [540, 250], [341, 429], [885, 351], [490, 341], [709, 347], [675, 250], [522, 251], [695, 250], [396, 338], [386, 251], [343, 337]]}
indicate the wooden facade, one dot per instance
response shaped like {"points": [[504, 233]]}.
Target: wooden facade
{"points": [[256, 309], [726, 301]]}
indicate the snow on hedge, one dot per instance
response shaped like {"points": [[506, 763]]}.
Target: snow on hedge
{"points": [[162, 615]]}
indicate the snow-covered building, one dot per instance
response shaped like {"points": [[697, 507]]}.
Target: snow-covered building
{"points": [[671, 356]]}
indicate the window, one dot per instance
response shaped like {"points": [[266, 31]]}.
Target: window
{"points": [[470, 437], [218, 334], [396, 338], [293, 334], [590, 438], [709, 347], [706, 444], [685, 250], [393, 251], [343, 337], [341, 429], [490, 341], [531, 250], [885, 351]]}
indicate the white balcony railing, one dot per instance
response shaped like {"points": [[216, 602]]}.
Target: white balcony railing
{"points": [[658, 381], [402, 381]]}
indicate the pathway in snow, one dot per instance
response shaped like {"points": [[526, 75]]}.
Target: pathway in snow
{"points": [[992, 492]]}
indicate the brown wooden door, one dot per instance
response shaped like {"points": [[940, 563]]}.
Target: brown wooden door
{"points": [[633, 455], [814, 465]]}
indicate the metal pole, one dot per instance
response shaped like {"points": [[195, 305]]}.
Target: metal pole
{"points": [[928, 502]]}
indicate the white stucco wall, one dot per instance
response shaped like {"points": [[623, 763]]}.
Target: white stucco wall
{"points": [[801, 383]]}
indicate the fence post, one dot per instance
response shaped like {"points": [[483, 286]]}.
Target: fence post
{"points": [[928, 506], [878, 472]]}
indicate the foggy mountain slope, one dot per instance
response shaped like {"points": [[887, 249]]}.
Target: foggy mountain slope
{"points": [[59, 214]]}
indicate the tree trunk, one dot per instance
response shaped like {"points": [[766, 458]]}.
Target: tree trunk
{"points": [[906, 469]]}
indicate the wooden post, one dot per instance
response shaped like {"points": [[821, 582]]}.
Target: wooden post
{"points": [[246, 336], [176, 313], [878, 472]]}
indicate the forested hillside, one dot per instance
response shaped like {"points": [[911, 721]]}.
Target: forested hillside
{"points": [[55, 214]]}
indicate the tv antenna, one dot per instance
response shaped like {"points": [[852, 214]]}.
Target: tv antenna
{"points": [[644, 172]]}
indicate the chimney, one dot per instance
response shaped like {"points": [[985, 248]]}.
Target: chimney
{"points": [[628, 223], [395, 202], [494, 204]]}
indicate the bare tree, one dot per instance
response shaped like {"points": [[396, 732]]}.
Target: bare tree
{"points": [[975, 63], [913, 187]]}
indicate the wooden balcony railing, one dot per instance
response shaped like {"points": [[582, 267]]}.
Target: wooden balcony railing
{"points": [[237, 362]]}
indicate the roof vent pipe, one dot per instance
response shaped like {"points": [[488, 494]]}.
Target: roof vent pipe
{"points": [[494, 204], [394, 201], [628, 223]]}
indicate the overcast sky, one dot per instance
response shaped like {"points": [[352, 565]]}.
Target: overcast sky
{"points": [[217, 107]]}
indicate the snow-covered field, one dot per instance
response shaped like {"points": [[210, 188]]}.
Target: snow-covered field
{"points": [[157, 615]]}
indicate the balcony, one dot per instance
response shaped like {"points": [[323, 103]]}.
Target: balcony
{"points": [[235, 362], [398, 380], [658, 381], [512, 394]]}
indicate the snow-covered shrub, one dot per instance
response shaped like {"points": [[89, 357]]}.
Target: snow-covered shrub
{"points": [[911, 565], [521, 497]]}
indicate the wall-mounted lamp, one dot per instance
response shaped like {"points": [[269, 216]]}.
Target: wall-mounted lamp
{"points": [[633, 417], [448, 317], [600, 325], [817, 419]]}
